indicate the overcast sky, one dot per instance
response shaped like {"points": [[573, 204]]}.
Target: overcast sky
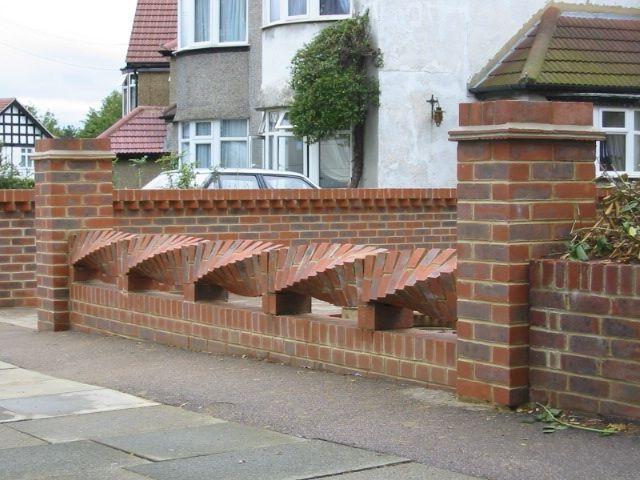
{"points": [[63, 55]]}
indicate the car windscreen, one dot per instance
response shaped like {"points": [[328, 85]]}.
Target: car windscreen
{"points": [[276, 182], [236, 182]]}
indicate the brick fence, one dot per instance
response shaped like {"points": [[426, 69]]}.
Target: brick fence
{"points": [[585, 336], [17, 249], [398, 218]]}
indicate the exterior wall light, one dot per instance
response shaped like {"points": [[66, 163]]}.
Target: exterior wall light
{"points": [[437, 113]]}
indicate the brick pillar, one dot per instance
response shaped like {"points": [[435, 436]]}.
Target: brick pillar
{"points": [[525, 172], [73, 192]]}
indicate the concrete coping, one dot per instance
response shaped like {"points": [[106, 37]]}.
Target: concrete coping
{"points": [[526, 131], [73, 155]]}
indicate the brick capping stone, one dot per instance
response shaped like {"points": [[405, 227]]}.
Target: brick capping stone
{"points": [[521, 188], [73, 192]]}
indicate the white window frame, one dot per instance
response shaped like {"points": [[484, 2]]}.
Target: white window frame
{"points": [[186, 27], [311, 159], [129, 93], [630, 131], [313, 13], [214, 139]]}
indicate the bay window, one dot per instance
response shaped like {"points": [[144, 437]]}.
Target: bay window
{"points": [[620, 152], [212, 23], [327, 163], [215, 143], [300, 10]]}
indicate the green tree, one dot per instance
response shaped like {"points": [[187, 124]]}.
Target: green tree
{"points": [[97, 121], [51, 123], [332, 90]]}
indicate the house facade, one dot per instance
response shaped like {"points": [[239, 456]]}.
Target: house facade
{"points": [[19, 132], [231, 66]]}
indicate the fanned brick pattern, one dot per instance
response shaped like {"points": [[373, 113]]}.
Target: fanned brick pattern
{"points": [[326, 271], [421, 280], [94, 254], [156, 261], [238, 266]]}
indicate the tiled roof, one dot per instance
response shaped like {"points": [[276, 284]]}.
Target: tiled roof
{"points": [[155, 24], [142, 131], [572, 51], [5, 102]]}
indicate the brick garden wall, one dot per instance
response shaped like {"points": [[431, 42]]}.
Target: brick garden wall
{"points": [[17, 249], [395, 218], [320, 342], [585, 336]]}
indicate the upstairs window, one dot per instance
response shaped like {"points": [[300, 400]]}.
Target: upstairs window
{"points": [[213, 23], [620, 152], [129, 93], [277, 11]]}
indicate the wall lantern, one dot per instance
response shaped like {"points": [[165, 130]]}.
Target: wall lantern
{"points": [[437, 114]]}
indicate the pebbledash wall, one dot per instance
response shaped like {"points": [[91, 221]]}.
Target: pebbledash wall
{"points": [[17, 249], [585, 336]]}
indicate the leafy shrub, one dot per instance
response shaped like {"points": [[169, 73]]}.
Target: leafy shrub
{"points": [[11, 179]]}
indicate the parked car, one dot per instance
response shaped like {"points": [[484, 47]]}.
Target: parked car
{"points": [[235, 178]]}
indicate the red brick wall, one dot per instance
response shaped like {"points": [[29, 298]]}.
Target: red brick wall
{"points": [[17, 249], [396, 218], [419, 356], [585, 336]]}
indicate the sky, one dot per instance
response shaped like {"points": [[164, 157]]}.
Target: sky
{"points": [[63, 55]]}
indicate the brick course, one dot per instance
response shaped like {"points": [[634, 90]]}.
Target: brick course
{"points": [[585, 336]]}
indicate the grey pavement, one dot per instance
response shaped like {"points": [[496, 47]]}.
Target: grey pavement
{"points": [[382, 430]]}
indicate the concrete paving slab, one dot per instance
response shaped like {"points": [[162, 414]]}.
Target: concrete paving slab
{"points": [[10, 438], [9, 416], [20, 317], [407, 471], [62, 459], [113, 423], [36, 389], [74, 403], [20, 376], [190, 442], [110, 474], [308, 459], [4, 366]]}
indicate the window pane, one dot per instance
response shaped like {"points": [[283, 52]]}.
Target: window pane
{"points": [[185, 130], [277, 182], [637, 120], [297, 7], [335, 162], [257, 152], [202, 27], [275, 10], [291, 152], [636, 150], [334, 7], [249, 182], [273, 121], [613, 119], [234, 128], [234, 155], [233, 20], [203, 129], [203, 155], [613, 153]]}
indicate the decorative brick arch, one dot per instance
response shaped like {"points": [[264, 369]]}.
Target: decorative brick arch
{"points": [[94, 254]]}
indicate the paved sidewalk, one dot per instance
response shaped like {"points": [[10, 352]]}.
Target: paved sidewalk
{"points": [[61, 429], [402, 421]]}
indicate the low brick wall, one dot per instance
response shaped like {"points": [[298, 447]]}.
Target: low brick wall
{"points": [[585, 336], [395, 218], [17, 249], [312, 341]]}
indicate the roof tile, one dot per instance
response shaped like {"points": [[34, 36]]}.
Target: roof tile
{"points": [[155, 24], [142, 131]]}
